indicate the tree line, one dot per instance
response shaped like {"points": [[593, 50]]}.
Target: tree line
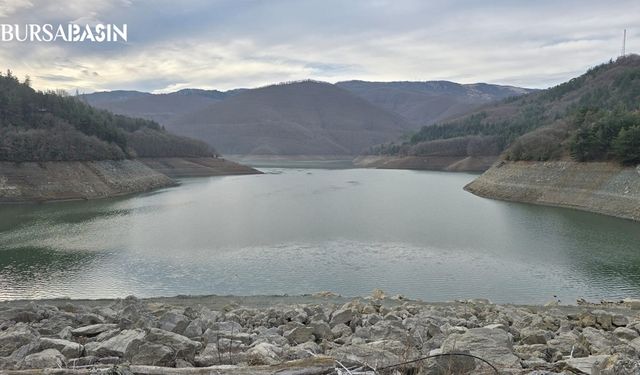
{"points": [[42, 126], [594, 117]]}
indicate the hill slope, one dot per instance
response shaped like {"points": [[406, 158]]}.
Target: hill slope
{"points": [[424, 103], [301, 118], [37, 126], [593, 117], [157, 107]]}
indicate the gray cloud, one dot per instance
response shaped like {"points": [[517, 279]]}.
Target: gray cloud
{"points": [[225, 44]]}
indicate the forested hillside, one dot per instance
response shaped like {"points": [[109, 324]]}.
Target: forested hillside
{"points": [[589, 118], [51, 126], [425, 103]]}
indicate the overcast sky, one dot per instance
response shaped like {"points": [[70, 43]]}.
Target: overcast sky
{"points": [[242, 43]]}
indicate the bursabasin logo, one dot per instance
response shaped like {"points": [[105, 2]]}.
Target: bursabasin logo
{"points": [[71, 32]]}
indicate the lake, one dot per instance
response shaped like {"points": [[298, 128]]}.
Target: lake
{"points": [[300, 230]]}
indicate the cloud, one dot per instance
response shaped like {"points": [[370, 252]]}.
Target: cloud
{"points": [[225, 44], [9, 7]]}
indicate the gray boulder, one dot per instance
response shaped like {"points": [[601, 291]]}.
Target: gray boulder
{"points": [[264, 354], [93, 330], [342, 316], [600, 342], [153, 354], [376, 354], [69, 349], [588, 365], [15, 337], [569, 344], [184, 347], [226, 352], [494, 345], [321, 330], [174, 321], [299, 335], [195, 329], [48, 358], [117, 345], [625, 333]]}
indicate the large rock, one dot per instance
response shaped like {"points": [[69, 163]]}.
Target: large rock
{"points": [[494, 345], [184, 347], [227, 352], [535, 336], [117, 345], [625, 333], [153, 354], [299, 335], [600, 342], [174, 321], [15, 337], [588, 365], [342, 316], [384, 330], [49, 358], [321, 330], [376, 354], [69, 349], [569, 344], [93, 330], [604, 319], [195, 329], [264, 354]]}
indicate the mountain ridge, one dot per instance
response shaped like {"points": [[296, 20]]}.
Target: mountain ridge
{"points": [[302, 117], [198, 113]]}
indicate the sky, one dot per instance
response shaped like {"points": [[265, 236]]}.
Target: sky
{"points": [[225, 44]]}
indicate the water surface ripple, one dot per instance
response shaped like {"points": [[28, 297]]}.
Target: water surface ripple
{"points": [[299, 231]]}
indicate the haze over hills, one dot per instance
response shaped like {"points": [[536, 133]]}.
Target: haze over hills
{"points": [[424, 103], [157, 107], [299, 118], [593, 117], [303, 118]]}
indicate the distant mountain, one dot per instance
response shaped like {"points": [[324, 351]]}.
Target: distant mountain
{"points": [[425, 103], [157, 107], [300, 118], [303, 118], [37, 126], [593, 117]]}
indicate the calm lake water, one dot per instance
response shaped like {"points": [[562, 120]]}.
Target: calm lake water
{"points": [[294, 231]]}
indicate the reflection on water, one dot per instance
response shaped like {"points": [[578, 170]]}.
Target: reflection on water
{"points": [[300, 231]]}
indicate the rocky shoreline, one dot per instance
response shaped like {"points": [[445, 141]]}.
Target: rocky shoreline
{"points": [[81, 180], [462, 163], [604, 188], [319, 334]]}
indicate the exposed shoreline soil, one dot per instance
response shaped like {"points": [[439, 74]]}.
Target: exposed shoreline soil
{"points": [[429, 163], [32, 182], [604, 188]]}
